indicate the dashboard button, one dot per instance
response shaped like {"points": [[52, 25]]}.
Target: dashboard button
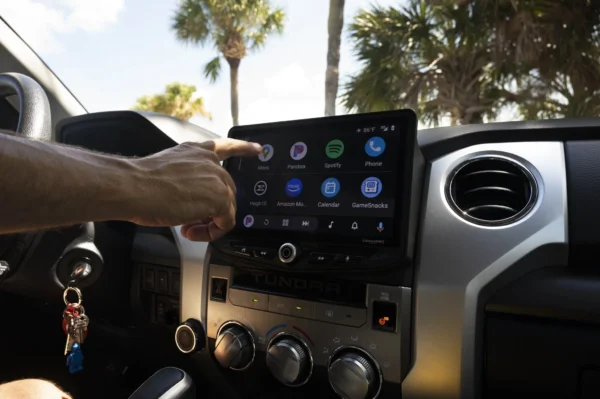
{"points": [[348, 259], [176, 284], [320, 258], [291, 307], [149, 283], [218, 289], [242, 250], [163, 282], [160, 311], [337, 314], [249, 299], [263, 253]]}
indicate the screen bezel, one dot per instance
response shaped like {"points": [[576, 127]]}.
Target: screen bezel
{"points": [[405, 118]]}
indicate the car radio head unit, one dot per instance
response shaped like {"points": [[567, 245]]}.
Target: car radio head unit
{"points": [[344, 180]]}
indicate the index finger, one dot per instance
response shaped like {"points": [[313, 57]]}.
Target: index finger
{"points": [[226, 147]]}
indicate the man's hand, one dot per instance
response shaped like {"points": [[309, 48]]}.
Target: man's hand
{"points": [[47, 185], [186, 185]]}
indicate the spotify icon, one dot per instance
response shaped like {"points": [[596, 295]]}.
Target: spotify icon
{"points": [[334, 149]]}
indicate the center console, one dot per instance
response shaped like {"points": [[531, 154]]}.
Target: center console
{"points": [[310, 294]]}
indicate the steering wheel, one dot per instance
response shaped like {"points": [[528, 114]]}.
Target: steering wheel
{"points": [[35, 119], [35, 122]]}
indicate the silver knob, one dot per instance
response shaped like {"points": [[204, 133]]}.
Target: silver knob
{"points": [[190, 336], [354, 374], [287, 253], [234, 347], [4, 268], [289, 360]]}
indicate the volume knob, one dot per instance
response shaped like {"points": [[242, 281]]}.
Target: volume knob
{"points": [[354, 374], [289, 360], [234, 347]]}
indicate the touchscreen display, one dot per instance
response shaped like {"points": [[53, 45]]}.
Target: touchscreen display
{"points": [[336, 177]]}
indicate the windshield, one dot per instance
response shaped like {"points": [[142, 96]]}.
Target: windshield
{"points": [[223, 62]]}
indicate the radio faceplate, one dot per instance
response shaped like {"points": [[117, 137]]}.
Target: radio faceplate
{"points": [[312, 256], [379, 325]]}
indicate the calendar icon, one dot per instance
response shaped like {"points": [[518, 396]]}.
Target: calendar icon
{"points": [[330, 187]]}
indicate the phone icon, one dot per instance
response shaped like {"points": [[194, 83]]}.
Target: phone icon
{"points": [[375, 146]]}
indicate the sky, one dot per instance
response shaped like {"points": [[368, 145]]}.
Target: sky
{"points": [[110, 52]]}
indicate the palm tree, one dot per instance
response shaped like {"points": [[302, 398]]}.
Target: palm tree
{"points": [[555, 46], [557, 97], [233, 26], [177, 100], [335, 25], [435, 57]]}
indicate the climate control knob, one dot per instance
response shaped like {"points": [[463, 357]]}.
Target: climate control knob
{"points": [[354, 374], [234, 347], [289, 360]]}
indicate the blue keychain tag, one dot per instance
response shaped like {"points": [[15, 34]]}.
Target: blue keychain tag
{"points": [[75, 359]]}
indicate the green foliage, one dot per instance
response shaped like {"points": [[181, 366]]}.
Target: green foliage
{"points": [[433, 58], [456, 59], [177, 101], [212, 69], [552, 49], [233, 26]]}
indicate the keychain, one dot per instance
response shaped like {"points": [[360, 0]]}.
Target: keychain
{"points": [[75, 325]]}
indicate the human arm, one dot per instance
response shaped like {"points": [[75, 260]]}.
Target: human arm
{"points": [[44, 185]]}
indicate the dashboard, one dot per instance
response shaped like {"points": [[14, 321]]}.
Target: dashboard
{"points": [[478, 279]]}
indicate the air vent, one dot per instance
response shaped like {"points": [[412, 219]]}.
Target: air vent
{"points": [[492, 191]]}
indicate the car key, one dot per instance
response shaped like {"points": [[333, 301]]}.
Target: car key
{"points": [[78, 326], [68, 315]]}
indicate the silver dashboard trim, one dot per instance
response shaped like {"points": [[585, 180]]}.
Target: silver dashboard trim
{"points": [[194, 277], [458, 261]]}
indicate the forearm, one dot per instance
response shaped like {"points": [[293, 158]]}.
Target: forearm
{"points": [[48, 185]]}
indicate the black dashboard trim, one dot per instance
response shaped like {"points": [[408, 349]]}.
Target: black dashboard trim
{"points": [[556, 293], [62, 133], [437, 142]]}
